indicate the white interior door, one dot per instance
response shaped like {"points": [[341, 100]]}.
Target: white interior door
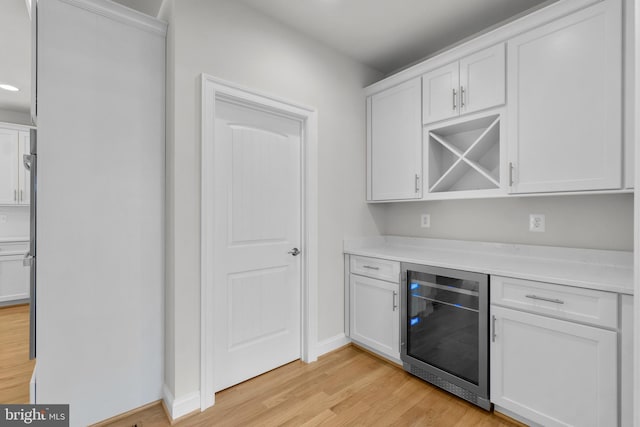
{"points": [[257, 175]]}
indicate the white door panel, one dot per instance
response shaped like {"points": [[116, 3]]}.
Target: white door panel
{"points": [[553, 372], [482, 79], [257, 216], [8, 166], [440, 97], [565, 103], [395, 142]]}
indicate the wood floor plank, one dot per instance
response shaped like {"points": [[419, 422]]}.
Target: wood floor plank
{"points": [[15, 367], [348, 387]]}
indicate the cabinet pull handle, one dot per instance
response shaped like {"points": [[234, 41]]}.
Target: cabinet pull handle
{"points": [[370, 267], [462, 96], [510, 174], [417, 183], [395, 304], [454, 99], [553, 300], [493, 328]]}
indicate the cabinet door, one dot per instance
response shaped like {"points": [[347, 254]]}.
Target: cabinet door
{"points": [[8, 166], [395, 143], [553, 372], [374, 315], [440, 93], [14, 279], [24, 176], [482, 80], [564, 98]]}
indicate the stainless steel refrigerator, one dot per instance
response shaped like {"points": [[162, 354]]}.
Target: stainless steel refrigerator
{"points": [[31, 163]]}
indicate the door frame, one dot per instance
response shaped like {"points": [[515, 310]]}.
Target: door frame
{"points": [[213, 89]]}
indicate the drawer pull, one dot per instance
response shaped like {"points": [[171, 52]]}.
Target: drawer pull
{"points": [[370, 267], [553, 300]]}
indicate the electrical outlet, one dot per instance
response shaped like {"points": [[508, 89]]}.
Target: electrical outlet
{"points": [[425, 221], [3, 219], [536, 223]]}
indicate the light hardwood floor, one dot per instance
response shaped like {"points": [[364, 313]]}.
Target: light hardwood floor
{"points": [[348, 387], [15, 366]]}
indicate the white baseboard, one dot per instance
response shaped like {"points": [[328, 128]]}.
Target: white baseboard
{"points": [[180, 407], [515, 416], [332, 343]]}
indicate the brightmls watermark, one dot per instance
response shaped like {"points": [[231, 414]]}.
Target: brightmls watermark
{"points": [[34, 415]]}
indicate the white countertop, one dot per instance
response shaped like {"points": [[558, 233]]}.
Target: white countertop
{"points": [[585, 268], [14, 239]]}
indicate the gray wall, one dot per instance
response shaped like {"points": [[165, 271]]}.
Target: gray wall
{"points": [[17, 117], [585, 221], [231, 41]]}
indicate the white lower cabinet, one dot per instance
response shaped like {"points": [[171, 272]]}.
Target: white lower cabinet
{"points": [[14, 279], [553, 372], [374, 319]]}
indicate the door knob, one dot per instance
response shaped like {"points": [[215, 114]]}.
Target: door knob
{"points": [[294, 252]]}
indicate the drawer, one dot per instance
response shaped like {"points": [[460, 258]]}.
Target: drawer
{"points": [[376, 268], [566, 302]]}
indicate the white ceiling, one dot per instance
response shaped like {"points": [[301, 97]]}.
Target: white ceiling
{"points": [[15, 51], [150, 7], [383, 34], [390, 34]]}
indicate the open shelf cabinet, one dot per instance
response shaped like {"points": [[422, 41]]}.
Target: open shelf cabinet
{"points": [[464, 155]]}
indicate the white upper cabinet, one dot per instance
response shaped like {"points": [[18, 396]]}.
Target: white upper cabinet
{"points": [[14, 177], [8, 166], [474, 83], [482, 80], [440, 93], [394, 143], [564, 100]]}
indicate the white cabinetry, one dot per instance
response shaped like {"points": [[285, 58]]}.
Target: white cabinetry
{"points": [[14, 177], [374, 315], [14, 277], [394, 143], [547, 368], [564, 100], [464, 155], [474, 83]]}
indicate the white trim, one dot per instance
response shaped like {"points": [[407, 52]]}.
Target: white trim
{"points": [[123, 14], [333, 343], [491, 37], [180, 407], [635, 135], [16, 126], [213, 88]]}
